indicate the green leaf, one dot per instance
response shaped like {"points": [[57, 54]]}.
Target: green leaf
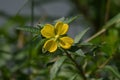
{"points": [[2, 51], [41, 25], [29, 29], [85, 44], [2, 62], [117, 25], [114, 72], [60, 19], [69, 20], [56, 67], [38, 47], [80, 35], [73, 77], [6, 56], [80, 53]]}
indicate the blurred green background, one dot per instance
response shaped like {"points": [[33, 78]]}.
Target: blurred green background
{"points": [[15, 63]]}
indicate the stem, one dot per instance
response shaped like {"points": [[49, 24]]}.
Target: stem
{"points": [[105, 27], [30, 50], [101, 66], [79, 67], [107, 10], [22, 7], [32, 12], [32, 22], [97, 34]]}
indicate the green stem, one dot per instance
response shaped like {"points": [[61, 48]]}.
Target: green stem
{"points": [[106, 62], [32, 12], [30, 50], [79, 67], [107, 10], [26, 2], [105, 27], [95, 35], [32, 22]]}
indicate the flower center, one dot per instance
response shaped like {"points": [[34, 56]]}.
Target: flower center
{"points": [[56, 37]]}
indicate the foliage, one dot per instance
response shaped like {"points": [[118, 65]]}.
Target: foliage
{"points": [[94, 58]]}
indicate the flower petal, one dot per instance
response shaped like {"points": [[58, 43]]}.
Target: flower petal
{"points": [[61, 28], [50, 45], [66, 42], [48, 31]]}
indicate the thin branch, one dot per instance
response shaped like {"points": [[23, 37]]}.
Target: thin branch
{"points": [[95, 35], [30, 50], [79, 67], [105, 27], [106, 62], [107, 10], [26, 2], [32, 12]]}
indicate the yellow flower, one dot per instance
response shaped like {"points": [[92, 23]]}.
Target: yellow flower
{"points": [[55, 36]]}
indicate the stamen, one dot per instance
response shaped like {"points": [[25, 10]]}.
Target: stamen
{"points": [[56, 37]]}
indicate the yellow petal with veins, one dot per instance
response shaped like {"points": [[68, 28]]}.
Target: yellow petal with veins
{"points": [[66, 42], [61, 28], [48, 31], [50, 45]]}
